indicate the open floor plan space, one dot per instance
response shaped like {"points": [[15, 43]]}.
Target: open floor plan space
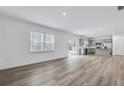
{"points": [[72, 71], [61, 45]]}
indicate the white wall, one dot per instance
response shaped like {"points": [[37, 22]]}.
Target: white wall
{"points": [[0, 44], [16, 43], [118, 44], [2, 29], [0, 47]]}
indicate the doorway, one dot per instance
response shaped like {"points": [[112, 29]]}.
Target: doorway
{"points": [[72, 47]]}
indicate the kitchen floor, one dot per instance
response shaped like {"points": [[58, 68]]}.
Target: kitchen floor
{"points": [[75, 70]]}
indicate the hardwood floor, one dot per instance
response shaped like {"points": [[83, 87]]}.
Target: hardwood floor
{"points": [[72, 71]]}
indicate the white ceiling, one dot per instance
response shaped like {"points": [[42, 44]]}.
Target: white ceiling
{"points": [[92, 21]]}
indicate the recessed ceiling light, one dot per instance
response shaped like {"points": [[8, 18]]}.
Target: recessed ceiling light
{"points": [[64, 13]]}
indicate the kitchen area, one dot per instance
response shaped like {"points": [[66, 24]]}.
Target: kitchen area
{"points": [[95, 46]]}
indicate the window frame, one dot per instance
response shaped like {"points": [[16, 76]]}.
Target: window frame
{"points": [[53, 43], [43, 42]]}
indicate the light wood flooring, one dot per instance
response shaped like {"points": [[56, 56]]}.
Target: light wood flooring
{"points": [[72, 71]]}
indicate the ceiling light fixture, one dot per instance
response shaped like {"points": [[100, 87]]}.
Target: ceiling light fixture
{"points": [[64, 13]]}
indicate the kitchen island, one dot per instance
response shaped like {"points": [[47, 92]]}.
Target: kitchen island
{"points": [[101, 51]]}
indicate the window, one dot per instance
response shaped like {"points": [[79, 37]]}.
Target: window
{"points": [[36, 41], [41, 42], [49, 42]]}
